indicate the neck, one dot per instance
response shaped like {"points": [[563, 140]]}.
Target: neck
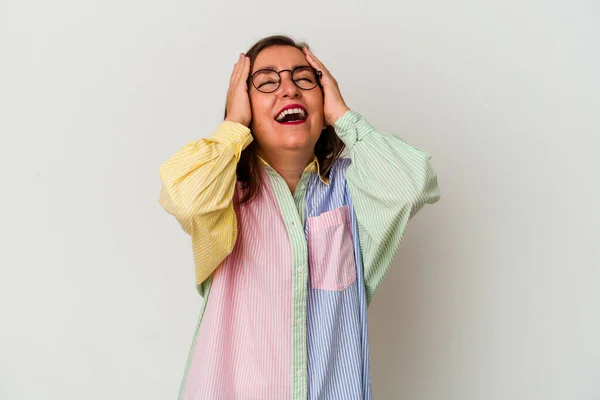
{"points": [[288, 164]]}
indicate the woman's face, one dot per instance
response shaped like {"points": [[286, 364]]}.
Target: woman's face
{"points": [[273, 135]]}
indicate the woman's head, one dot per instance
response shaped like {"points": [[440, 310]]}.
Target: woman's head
{"points": [[271, 94], [271, 133]]}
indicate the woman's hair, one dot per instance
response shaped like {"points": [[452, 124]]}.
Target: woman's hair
{"points": [[327, 149]]}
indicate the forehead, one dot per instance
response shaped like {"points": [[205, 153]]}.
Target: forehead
{"points": [[279, 57]]}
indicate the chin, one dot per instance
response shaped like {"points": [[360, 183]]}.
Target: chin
{"points": [[296, 143]]}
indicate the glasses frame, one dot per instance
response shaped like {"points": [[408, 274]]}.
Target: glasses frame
{"points": [[319, 76]]}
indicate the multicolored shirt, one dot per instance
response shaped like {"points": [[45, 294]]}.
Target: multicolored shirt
{"points": [[287, 279]]}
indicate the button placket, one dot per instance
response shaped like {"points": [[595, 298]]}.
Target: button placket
{"points": [[291, 207]]}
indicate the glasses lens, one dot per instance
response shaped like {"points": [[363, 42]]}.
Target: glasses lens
{"points": [[266, 80], [305, 77]]}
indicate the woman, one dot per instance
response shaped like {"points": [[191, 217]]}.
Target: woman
{"points": [[290, 240]]}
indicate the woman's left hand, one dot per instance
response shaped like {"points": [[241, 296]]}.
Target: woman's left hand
{"points": [[334, 106]]}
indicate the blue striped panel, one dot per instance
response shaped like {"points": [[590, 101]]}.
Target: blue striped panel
{"points": [[337, 338]]}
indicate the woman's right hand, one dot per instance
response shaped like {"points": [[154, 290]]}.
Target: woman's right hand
{"points": [[238, 101]]}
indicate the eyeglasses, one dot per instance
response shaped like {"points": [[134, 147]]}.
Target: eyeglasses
{"points": [[268, 80]]}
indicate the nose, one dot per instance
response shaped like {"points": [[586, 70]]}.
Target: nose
{"points": [[287, 87]]}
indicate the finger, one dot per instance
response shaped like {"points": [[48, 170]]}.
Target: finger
{"points": [[311, 61], [232, 74], [243, 67], [311, 56], [320, 67], [246, 69], [242, 73], [236, 70]]}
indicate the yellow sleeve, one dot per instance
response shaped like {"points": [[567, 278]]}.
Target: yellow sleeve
{"points": [[198, 183]]}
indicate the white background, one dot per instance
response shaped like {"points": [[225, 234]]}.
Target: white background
{"points": [[494, 294]]}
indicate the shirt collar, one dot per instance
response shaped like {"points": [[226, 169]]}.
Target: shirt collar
{"points": [[312, 167]]}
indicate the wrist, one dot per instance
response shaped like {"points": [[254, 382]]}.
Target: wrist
{"points": [[339, 114], [238, 121]]}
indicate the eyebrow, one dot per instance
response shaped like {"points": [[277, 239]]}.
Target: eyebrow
{"points": [[273, 67]]}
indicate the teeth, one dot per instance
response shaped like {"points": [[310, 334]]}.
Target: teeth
{"points": [[282, 114]]}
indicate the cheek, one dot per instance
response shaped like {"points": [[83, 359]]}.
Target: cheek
{"points": [[316, 103], [318, 116], [261, 106]]}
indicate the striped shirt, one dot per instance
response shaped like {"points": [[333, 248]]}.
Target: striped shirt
{"points": [[287, 279]]}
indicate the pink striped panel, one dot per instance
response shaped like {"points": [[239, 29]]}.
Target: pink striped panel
{"points": [[243, 349]]}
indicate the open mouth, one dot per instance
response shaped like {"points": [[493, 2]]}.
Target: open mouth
{"points": [[292, 115]]}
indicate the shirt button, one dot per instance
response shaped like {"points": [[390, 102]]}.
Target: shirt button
{"points": [[299, 321], [300, 269], [303, 186], [299, 373]]}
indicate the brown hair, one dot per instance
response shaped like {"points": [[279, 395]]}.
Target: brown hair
{"points": [[327, 149]]}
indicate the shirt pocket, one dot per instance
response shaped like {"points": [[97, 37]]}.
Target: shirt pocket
{"points": [[331, 250]]}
